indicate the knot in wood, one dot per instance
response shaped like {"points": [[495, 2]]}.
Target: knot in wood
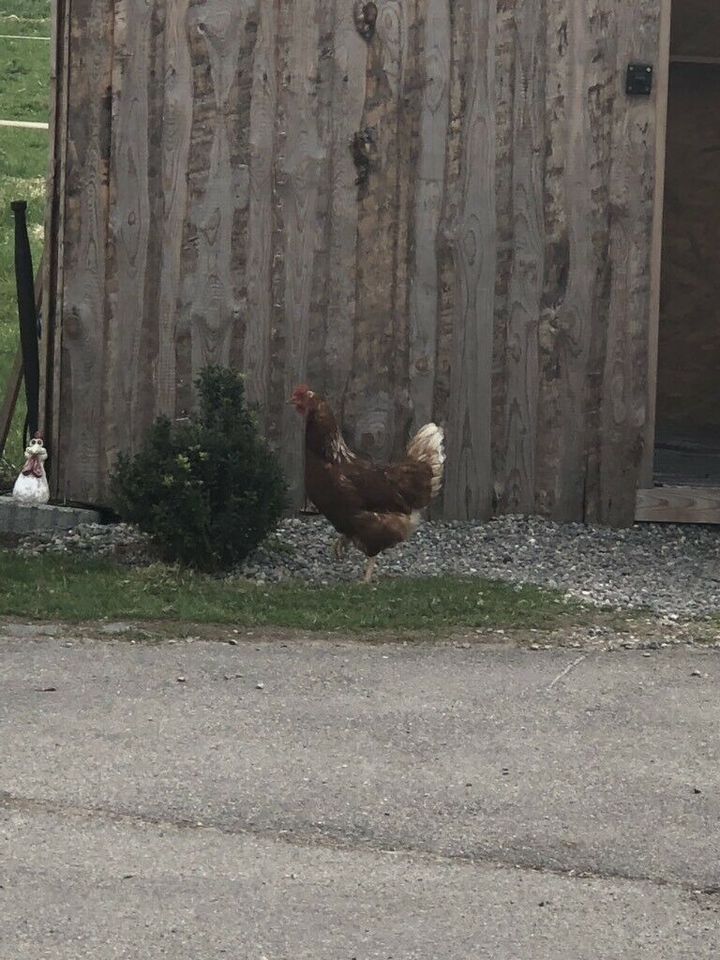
{"points": [[365, 19], [362, 145]]}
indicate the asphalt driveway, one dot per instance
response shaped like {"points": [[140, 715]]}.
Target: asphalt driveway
{"points": [[335, 799]]}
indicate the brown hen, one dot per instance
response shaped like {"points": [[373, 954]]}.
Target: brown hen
{"points": [[371, 506]]}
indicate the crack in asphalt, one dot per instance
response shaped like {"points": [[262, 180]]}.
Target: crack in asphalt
{"points": [[341, 842]]}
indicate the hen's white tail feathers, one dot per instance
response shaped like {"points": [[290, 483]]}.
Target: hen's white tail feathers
{"points": [[427, 447]]}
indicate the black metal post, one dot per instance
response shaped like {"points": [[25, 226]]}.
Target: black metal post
{"points": [[27, 316]]}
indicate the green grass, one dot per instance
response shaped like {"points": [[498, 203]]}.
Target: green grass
{"points": [[60, 588], [24, 95], [24, 11], [25, 71]]}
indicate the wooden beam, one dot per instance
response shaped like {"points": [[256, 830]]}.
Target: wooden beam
{"points": [[7, 409], [678, 505], [52, 268], [84, 248], [663, 78], [702, 61], [472, 238]]}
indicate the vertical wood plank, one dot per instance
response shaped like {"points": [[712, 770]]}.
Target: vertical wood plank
{"points": [[527, 267], [174, 158], [126, 369], [9, 397], [322, 282], [603, 97], [631, 190], [348, 97], [263, 106], [83, 253], [433, 124], [372, 407], [299, 161], [413, 85], [239, 116], [450, 201], [218, 188], [506, 53], [468, 486], [52, 266], [662, 75], [565, 327]]}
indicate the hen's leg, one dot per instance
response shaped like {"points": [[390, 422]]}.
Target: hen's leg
{"points": [[339, 547], [369, 567]]}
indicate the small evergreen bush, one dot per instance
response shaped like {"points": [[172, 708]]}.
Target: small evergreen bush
{"points": [[8, 475], [208, 490]]}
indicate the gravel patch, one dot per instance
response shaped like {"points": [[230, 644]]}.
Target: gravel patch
{"points": [[116, 541], [672, 571]]}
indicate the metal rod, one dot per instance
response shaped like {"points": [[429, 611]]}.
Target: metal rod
{"points": [[27, 314], [25, 124]]}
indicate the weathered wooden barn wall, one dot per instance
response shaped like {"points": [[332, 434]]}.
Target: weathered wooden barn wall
{"points": [[441, 212]]}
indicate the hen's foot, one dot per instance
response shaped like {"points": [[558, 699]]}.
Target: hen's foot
{"points": [[369, 567], [340, 547]]}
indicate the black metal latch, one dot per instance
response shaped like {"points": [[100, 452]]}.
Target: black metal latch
{"points": [[638, 81]]}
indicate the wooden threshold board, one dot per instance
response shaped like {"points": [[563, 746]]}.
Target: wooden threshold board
{"points": [[683, 504]]}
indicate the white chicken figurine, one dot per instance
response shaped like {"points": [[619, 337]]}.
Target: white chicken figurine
{"points": [[31, 486]]}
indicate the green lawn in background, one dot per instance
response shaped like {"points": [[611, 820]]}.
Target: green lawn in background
{"points": [[24, 11], [24, 95]]}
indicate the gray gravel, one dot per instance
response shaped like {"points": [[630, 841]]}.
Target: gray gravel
{"points": [[118, 541], [672, 571]]}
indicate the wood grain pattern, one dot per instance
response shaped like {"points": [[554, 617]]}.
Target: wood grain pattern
{"points": [[468, 485], [490, 269], [570, 264], [433, 124], [447, 287], [661, 128], [11, 392], [51, 276], [631, 187], [218, 189], [506, 49], [527, 264], [413, 82], [371, 400], [348, 97], [83, 343], [607, 111], [263, 106], [298, 179], [126, 367], [678, 505], [174, 157]]}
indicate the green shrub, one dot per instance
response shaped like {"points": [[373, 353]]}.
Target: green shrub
{"points": [[8, 475], [207, 490]]}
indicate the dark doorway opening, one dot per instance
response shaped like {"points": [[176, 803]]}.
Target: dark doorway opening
{"points": [[687, 431]]}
